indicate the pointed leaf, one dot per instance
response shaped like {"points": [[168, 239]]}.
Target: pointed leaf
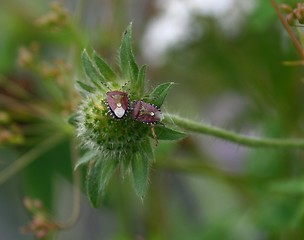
{"points": [[159, 94], [132, 62], [128, 63], [85, 87], [91, 71], [165, 133], [85, 159], [98, 178], [139, 85], [124, 58], [147, 150], [140, 170], [104, 68], [126, 165], [107, 170], [133, 68], [93, 182]]}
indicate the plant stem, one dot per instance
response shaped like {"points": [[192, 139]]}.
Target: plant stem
{"points": [[202, 128], [30, 156]]}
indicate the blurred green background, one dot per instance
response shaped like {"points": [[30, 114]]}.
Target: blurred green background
{"points": [[227, 60]]}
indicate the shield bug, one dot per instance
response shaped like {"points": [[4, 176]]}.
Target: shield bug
{"points": [[118, 103], [147, 113]]}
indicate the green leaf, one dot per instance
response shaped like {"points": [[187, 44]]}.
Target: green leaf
{"points": [[128, 63], [88, 156], [165, 133], [104, 68], [140, 170], [98, 178], [107, 170], [125, 166], [158, 95], [139, 85], [93, 182], [123, 58], [85, 87], [147, 150], [90, 70]]}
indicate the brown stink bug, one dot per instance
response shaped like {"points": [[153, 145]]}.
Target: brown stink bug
{"points": [[118, 103], [147, 113]]}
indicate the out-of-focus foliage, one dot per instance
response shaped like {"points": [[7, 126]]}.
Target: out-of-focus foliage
{"points": [[201, 188]]}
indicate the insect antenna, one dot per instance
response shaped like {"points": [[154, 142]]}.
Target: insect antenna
{"points": [[125, 84], [106, 85]]}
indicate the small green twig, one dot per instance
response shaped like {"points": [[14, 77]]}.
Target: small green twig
{"points": [[28, 157], [234, 137]]}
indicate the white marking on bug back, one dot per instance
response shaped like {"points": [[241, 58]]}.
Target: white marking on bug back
{"points": [[119, 112]]}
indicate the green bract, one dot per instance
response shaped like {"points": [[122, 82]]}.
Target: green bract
{"points": [[110, 143]]}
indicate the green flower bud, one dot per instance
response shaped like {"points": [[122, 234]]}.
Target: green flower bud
{"points": [[109, 137], [116, 126]]}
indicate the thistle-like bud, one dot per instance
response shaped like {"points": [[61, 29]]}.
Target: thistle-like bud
{"points": [[112, 139], [116, 121]]}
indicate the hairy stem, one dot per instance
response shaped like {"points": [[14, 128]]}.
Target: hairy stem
{"points": [[202, 128]]}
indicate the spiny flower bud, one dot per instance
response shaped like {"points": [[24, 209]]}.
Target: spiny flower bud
{"points": [[109, 137], [114, 125]]}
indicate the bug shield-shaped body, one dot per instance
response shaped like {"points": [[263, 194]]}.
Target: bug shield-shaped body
{"points": [[146, 113], [118, 103]]}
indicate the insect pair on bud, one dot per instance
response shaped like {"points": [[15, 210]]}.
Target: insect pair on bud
{"points": [[119, 105]]}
